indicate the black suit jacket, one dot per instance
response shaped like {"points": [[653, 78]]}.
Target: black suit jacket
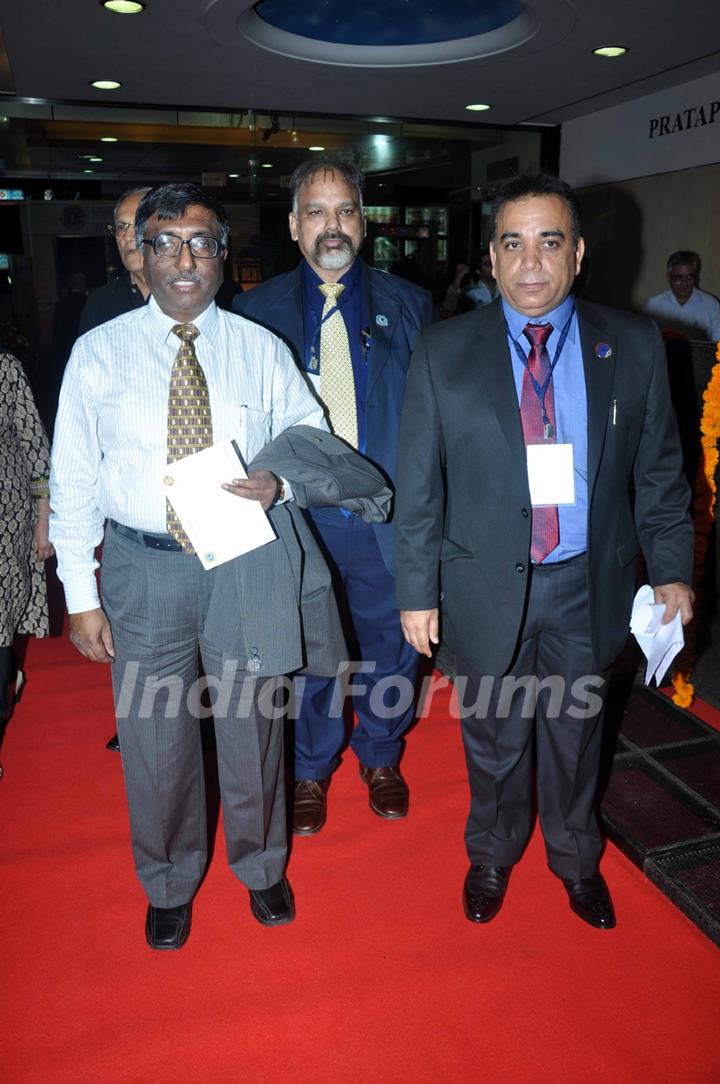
{"points": [[397, 310], [463, 504], [106, 302]]}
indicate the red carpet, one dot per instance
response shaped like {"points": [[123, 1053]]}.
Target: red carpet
{"points": [[381, 978]]}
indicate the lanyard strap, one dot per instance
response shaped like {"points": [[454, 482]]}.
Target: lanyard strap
{"points": [[541, 389], [318, 322]]}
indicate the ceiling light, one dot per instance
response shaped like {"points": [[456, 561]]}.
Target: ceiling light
{"points": [[233, 176], [123, 7], [106, 84], [108, 139], [88, 171], [610, 51], [93, 158], [477, 107], [266, 165], [316, 148]]}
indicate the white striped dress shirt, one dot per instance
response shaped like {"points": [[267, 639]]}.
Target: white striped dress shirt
{"points": [[111, 429]]}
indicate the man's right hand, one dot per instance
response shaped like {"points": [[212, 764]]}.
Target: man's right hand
{"points": [[90, 633], [421, 628]]}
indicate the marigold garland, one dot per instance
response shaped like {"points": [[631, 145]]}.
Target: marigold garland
{"points": [[703, 508]]}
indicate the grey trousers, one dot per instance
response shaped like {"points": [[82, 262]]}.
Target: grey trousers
{"points": [[156, 603], [565, 721]]}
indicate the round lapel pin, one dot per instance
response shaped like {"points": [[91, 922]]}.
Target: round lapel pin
{"points": [[603, 350]]}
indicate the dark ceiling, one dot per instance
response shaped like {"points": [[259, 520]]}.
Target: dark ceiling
{"points": [[209, 87]]}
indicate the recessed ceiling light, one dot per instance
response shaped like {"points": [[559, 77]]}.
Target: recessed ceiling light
{"points": [[316, 148], [123, 7], [477, 107], [88, 171], [233, 176], [108, 139], [610, 51], [266, 165], [93, 158], [106, 84]]}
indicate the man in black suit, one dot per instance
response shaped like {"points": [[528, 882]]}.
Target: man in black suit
{"points": [[120, 295], [130, 291], [538, 454], [377, 316]]}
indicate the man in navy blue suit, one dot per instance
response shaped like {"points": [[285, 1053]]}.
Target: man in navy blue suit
{"points": [[333, 305]]}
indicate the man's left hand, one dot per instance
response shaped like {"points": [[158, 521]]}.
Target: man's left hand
{"points": [[676, 596], [260, 485]]}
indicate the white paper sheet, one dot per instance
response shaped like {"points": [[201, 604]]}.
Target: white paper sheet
{"points": [[660, 643], [550, 474], [220, 525]]}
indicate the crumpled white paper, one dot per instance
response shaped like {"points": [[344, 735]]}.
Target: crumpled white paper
{"points": [[659, 643]]}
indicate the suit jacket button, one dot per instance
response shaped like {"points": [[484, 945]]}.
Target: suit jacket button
{"points": [[525, 513], [519, 567]]}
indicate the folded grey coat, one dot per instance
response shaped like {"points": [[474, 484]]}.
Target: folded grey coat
{"points": [[278, 600], [323, 470]]}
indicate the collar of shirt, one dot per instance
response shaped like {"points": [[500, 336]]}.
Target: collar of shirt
{"points": [[161, 324], [558, 317]]}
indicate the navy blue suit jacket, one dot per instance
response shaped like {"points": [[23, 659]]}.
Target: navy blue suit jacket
{"points": [[397, 310]]}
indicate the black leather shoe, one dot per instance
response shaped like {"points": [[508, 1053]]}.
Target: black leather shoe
{"points": [[590, 900], [273, 906], [168, 927], [309, 806], [114, 744], [388, 791], [484, 891]]}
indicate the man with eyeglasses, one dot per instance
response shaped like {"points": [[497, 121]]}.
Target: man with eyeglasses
{"points": [[129, 291], [120, 295], [685, 309], [181, 371]]}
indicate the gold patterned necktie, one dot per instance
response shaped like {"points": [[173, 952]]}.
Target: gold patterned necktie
{"points": [[337, 383], [189, 418]]}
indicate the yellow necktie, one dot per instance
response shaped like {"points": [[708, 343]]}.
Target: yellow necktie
{"points": [[189, 418], [337, 383]]}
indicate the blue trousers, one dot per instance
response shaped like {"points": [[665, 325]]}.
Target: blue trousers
{"points": [[366, 594]]}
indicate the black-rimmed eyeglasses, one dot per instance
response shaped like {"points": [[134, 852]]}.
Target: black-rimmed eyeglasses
{"points": [[168, 246]]}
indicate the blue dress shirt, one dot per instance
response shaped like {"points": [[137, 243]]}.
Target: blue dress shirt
{"points": [[570, 412]]}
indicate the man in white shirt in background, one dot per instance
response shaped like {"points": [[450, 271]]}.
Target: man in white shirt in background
{"points": [[161, 612], [685, 309]]}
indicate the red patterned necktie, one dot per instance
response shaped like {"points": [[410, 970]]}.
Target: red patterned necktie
{"points": [[545, 524], [189, 419]]}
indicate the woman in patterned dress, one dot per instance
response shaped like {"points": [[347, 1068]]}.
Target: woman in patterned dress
{"points": [[24, 510]]}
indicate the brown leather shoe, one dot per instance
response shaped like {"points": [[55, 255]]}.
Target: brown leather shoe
{"points": [[310, 806], [389, 793]]}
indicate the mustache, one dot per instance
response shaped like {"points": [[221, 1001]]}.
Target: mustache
{"points": [[337, 235], [183, 276]]}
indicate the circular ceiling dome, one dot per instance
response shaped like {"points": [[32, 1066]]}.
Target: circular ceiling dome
{"points": [[388, 22], [390, 33]]}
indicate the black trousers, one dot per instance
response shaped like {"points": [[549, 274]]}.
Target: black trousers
{"points": [[554, 694], [7, 673]]}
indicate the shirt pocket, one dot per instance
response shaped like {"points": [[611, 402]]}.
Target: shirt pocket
{"points": [[250, 426]]}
